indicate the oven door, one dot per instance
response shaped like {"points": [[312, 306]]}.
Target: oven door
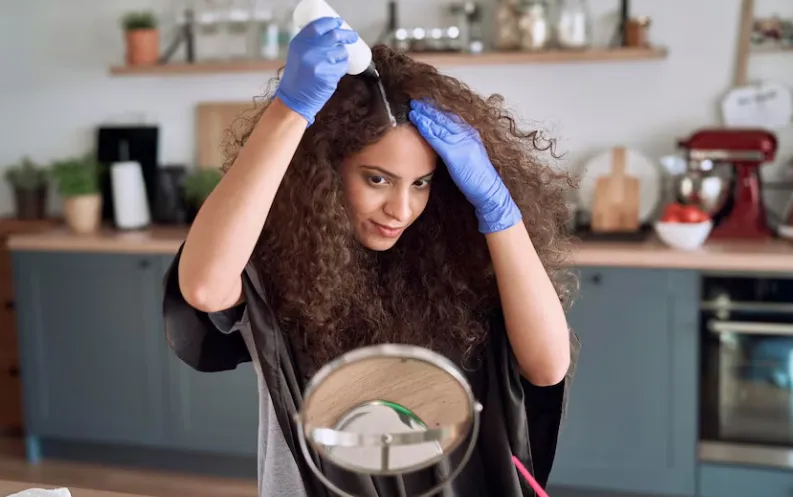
{"points": [[746, 414]]}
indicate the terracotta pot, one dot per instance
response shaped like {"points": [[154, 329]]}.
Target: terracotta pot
{"points": [[143, 47], [83, 213], [31, 204]]}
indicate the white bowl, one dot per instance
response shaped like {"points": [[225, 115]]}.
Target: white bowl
{"points": [[684, 236]]}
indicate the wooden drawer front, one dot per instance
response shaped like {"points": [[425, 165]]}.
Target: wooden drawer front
{"points": [[10, 396], [8, 334]]}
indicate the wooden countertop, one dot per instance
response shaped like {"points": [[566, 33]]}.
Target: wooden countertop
{"points": [[770, 255], [159, 240], [12, 487]]}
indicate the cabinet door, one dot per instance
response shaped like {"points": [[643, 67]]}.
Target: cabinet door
{"points": [[212, 412], [739, 481], [631, 424], [91, 346]]}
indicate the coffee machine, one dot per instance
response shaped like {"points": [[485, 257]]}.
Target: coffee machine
{"points": [[742, 214]]}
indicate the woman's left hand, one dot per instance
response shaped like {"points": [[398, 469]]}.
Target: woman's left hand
{"points": [[461, 148]]}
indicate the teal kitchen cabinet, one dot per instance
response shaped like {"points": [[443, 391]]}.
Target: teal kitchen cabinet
{"points": [[96, 367], [211, 412], [91, 347], [717, 480], [631, 422]]}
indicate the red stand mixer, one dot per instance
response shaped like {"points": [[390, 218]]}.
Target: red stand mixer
{"points": [[743, 213]]}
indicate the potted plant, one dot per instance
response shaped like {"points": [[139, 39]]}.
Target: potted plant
{"points": [[28, 181], [142, 38], [77, 181], [198, 184]]}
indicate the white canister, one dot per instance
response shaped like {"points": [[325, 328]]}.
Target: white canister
{"points": [[130, 203]]}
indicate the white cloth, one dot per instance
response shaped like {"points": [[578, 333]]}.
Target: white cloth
{"points": [[40, 492]]}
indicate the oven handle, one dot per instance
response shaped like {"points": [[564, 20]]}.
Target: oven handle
{"points": [[750, 328]]}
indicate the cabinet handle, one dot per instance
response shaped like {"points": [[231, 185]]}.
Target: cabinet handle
{"points": [[144, 264], [9, 305], [13, 371], [596, 279]]}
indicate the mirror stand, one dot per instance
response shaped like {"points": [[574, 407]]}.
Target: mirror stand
{"points": [[385, 443]]}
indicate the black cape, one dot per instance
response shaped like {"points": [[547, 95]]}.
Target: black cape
{"points": [[517, 417]]}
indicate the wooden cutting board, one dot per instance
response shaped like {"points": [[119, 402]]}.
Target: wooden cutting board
{"points": [[616, 200], [212, 122]]}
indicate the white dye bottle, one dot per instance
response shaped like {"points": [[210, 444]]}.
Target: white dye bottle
{"points": [[360, 54]]}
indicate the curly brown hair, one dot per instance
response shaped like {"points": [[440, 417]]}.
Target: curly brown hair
{"points": [[436, 287]]}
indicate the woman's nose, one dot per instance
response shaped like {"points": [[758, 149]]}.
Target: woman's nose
{"points": [[398, 206]]}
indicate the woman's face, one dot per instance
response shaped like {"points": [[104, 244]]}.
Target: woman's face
{"points": [[387, 186]]}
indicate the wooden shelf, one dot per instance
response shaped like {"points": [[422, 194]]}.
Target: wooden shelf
{"points": [[437, 59], [760, 49]]}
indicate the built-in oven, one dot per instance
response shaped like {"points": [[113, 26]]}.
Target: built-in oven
{"points": [[746, 390]]}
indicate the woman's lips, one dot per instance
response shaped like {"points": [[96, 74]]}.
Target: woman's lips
{"points": [[386, 231]]}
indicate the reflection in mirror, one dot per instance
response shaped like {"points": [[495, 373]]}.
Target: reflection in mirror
{"points": [[379, 417], [388, 410]]}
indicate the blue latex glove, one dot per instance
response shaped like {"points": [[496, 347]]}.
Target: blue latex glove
{"points": [[461, 148], [315, 62]]}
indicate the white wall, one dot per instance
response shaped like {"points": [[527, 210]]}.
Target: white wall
{"points": [[55, 87]]}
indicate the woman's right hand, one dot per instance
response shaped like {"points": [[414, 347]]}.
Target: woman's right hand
{"points": [[315, 62]]}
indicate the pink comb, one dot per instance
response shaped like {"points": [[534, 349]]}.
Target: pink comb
{"points": [[529, 479]]}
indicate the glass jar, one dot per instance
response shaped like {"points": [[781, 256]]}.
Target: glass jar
{"points": [[573, 29], [506, 24], [534, 25]]}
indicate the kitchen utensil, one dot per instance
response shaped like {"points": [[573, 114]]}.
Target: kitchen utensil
{"points": [[636, 166], [747, 150], [119, 143], [130, 204], [388, 410], [616, 206], [702, 185], [169, 201], [213, 120]]}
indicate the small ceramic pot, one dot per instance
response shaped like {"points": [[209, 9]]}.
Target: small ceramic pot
{"points": [[143, 47], [83, 213]]}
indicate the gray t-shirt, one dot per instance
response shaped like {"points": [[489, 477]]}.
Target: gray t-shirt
{"points": [[277, 471]]}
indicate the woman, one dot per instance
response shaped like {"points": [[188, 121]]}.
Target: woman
{"points": [[333, 229]]}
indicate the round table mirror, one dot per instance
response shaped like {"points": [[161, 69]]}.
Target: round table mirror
{"points": [[388, 410]]}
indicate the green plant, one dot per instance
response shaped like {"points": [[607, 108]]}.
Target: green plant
{"points": [[77, 176], [139, 20], [199, 184], [26, 175]]}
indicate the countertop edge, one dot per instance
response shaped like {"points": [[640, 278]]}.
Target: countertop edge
{"points": [[759, 256]]}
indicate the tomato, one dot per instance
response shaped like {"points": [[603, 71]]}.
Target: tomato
{"points": [[693, 214], [679, 213], [672, 213]]}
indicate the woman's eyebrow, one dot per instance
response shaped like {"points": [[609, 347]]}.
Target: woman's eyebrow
{"points": [[382, 171], [391, 175]]}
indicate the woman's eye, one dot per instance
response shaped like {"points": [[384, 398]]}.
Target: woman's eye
{"points": [[377, 180], [422, 183]]}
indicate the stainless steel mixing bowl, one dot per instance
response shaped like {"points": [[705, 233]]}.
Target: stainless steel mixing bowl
{"points": [[702, 183]]}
